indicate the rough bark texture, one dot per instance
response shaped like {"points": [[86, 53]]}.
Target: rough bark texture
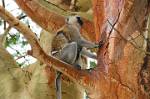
{"points": [[125, 59], [144, 75], [119, 73]]}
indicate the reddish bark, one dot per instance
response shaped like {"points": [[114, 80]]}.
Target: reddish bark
{"points": [[122, 80], [51, 21], [98, 8]]}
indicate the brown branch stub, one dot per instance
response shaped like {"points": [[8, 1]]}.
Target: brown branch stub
{"points": [[3, 3], [30, 52]]}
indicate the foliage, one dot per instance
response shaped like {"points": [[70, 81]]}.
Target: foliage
{"points": [[92, 64], [12, 40]]}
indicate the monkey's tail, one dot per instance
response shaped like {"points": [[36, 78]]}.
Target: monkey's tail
{"points": [[58, 85]]}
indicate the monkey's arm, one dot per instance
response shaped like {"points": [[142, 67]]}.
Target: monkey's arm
{"points": [[85, 43], [88, 54]]}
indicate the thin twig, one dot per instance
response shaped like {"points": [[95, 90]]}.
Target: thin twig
{"points": [[3, 3], [19, 57], [19, 53], [20, 17], [5, 35]]}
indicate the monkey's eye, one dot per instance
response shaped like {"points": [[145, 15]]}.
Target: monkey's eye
{"points": [[67, 19]]}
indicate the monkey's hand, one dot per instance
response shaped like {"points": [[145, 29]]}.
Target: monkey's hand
{"points": [[99, 45]]}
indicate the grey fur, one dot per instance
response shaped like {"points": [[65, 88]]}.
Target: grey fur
{"points": [[71, 52]]}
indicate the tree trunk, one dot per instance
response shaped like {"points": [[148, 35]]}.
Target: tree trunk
{"points": [[126, 50], [122, 71]]}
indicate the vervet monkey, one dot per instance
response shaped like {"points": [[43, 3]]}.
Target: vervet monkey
{"points": [[68, 45]]}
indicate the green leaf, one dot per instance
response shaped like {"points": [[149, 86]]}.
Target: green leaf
{"points": [[12, 40], [92, 64]]}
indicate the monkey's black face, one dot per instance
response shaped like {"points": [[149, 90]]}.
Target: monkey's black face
{"points": [[79, 20]]}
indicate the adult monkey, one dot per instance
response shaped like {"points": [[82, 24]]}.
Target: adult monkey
{"points": [[68, 44]]}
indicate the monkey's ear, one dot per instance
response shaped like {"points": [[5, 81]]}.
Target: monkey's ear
{"points": [[79, 20]]}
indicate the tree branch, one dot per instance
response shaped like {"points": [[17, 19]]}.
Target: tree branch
{"points": [[3, 3], [77, 76], [49, 20], [5, 35], [60, 11]]}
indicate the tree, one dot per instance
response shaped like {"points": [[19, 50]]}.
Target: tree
{"points": [[123, 69]]}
